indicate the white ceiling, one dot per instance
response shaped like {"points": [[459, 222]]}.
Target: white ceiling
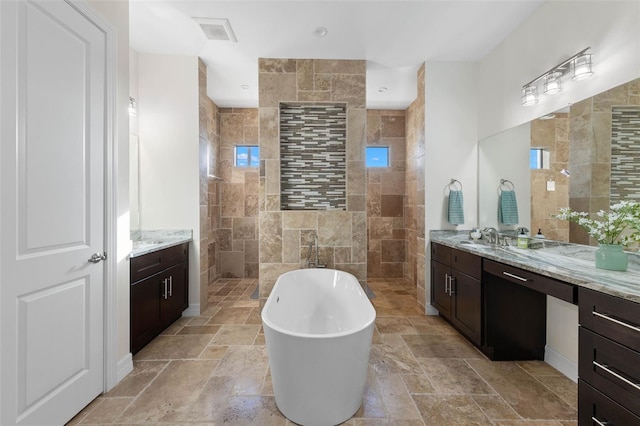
{"points": [[395, 37]]}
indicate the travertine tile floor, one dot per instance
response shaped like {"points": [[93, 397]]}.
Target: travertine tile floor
{"points": [[213, 370]]}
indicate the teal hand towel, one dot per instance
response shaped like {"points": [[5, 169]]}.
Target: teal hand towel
{"points": [[508, 208], [456, 210]]}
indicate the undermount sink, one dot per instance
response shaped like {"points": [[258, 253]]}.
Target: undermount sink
{"points": [[474, 244]]}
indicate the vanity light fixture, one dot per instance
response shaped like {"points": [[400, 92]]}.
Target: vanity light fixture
{"points": [[553, 83], [529, 95], [133, 106], [582, 67], [579, 64]]}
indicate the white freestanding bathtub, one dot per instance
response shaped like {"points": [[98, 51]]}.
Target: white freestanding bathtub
{"points": [[318, 325]]}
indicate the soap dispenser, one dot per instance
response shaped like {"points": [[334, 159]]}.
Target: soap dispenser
{"points": [[539, 235], [523, 240]]}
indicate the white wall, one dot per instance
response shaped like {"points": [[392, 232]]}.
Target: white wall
{"points": [[169, 157], [117, 13], [555, 32], [134, 193], [451, 140], [503, 156]]}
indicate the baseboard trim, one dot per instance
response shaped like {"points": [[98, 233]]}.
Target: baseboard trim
{"points": [[192, 311], [125, 366], [430, 310], [561, 363]]}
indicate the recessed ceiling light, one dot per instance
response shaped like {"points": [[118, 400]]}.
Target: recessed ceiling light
{"points": [[382, 89], [320, 32], [244, 86]]}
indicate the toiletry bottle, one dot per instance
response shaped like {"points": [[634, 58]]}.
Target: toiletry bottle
{"points": [[539, 234], [523, 240]]}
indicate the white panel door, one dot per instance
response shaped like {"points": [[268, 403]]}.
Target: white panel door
{"points": [[52, 129]]}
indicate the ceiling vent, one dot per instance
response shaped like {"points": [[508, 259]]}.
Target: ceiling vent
{"points": [[216, 29]]}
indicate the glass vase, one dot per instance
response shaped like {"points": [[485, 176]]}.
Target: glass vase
{"points": [[611, 257]]}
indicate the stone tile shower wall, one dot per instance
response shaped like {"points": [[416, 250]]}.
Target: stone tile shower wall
{"points": [[313, 156], [386, 196], [238, 231], [552, 135], [590, 151], [209, 145], [285, 234], [414, 192], [625, 154]]}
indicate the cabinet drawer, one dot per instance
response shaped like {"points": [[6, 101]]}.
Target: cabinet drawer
{"points": [[611, 316], [546, 285], [611, 368], [151, 263], [467, 263], [441, 253], [594, 407]]}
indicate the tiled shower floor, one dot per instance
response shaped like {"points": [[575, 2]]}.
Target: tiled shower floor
{"points": [[213, 370]]}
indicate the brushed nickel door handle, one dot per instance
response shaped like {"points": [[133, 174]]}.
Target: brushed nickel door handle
{"points": [[97, 257]]}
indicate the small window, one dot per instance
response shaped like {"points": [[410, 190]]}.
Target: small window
{"points": [[247, 156], [377, 156], [539, 158]]}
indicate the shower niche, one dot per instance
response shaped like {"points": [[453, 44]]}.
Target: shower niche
{"points": [[313, 156]]}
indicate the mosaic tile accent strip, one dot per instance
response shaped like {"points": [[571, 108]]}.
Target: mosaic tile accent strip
{"points": [[313, 156], [625, 154]]}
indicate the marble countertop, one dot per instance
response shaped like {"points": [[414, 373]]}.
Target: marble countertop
{"points": [[572, 263], [148, 241]]}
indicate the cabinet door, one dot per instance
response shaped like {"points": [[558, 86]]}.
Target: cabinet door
{"points": [[145, 311], [467, 303], [440, 298], [174, 293]]}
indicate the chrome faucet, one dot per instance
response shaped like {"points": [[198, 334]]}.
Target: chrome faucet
{"points": [[492, 235], [316, 262]]}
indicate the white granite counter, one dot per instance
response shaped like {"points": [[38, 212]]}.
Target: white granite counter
{"points": [[148, 241], [572, 263]]}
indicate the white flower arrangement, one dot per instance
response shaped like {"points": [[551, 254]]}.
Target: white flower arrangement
{"points": [[619, 225]]}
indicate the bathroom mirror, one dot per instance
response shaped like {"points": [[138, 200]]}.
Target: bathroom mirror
{"points": [[577, 143]]}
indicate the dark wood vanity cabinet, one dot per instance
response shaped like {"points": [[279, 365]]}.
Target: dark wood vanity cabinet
{"points": [[609, 360], [159, 292], [456, 289], [515, 310]]}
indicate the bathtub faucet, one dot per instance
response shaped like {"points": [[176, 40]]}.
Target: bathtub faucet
{"points": [[316, 262]]}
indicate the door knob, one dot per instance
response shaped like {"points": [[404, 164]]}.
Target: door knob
{"points": [[97, 257]]}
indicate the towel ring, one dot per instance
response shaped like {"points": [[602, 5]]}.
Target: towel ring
{"points": [[507, 184], [452, 185]]}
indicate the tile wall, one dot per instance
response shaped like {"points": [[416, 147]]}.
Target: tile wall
{"points": [[209, 145], [285, 234], [238, 232], [386, 196], [625, 153], [414, 191], [590, 151], [552, 135], [313, 156]]}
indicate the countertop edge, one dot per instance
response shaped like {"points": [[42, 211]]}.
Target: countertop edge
{"points": [[157, 247], [559, 273]]}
